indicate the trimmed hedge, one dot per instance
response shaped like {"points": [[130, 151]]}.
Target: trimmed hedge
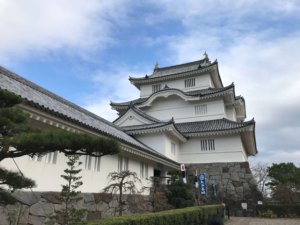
{"points": [[273, 211], [192, 216]]}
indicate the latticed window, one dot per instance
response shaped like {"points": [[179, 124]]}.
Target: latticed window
{"points": [[122, 163], [92, 163], [189, 82], [156, 88], [143, 170], [207, 144], [173, 148], [201, 109]]}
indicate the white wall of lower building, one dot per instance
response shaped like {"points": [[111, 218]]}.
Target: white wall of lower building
{"points": [[227, 149], [183, 111], [47, 174], [201, 82]]}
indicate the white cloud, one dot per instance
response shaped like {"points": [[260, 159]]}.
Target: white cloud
{"points": [[112, 85], [36, 27]]}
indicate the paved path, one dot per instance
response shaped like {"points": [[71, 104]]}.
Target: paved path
{"points": [[260, 221]]}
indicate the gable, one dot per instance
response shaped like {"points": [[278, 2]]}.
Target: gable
{"points": [[131, 118]]}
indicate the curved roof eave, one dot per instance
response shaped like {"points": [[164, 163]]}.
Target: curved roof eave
{"points": [[192, 94], [148, 79]]}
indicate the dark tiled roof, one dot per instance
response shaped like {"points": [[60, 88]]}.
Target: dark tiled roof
{"points": [[201, 93], [42, 98], [176, 69], [212, 126], [146, 126]]}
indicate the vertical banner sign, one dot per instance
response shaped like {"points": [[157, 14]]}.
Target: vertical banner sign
{"points": [[202, 184], [183, 171]]}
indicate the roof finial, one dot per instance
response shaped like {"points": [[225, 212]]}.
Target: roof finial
{"points": [[156, 66], [205, 55]]}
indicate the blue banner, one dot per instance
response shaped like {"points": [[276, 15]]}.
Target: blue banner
{"points": [[202, 184]]}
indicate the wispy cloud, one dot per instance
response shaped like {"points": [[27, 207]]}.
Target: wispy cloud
{"points": [[36, 27], [112, 84]]}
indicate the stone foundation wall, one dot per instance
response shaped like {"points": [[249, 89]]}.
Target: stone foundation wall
{"points": [[234, 184], [38, 206]]}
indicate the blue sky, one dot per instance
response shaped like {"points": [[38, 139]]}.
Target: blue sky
{"points": [[85, 51]]}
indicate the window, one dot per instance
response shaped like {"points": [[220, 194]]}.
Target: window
{"points": [[97, 163], [92, 163], [143, 170], [201, 109], [36, 158], [122, 163], [173, 148], [156, 88], [207, 145], [189, 82], [51, 157], [88, 162]]}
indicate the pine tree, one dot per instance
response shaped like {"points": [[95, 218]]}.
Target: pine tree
{"points": [[70, 195], [17, 139]]}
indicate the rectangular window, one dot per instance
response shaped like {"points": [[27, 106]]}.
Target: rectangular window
{"points": [[143, 170], [123, 163], [146, 170], [88, 162], [97, 163], [201, 109], [51, 157], [189, 83], [173, 148], [207, 145], [156, 88], [36, 158]]}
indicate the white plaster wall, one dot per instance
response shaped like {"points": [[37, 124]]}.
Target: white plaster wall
{"points": [[201, 82], [182, 111], [156, 141], [47, 175], [227, 149], [230, 113], [169, 153]]}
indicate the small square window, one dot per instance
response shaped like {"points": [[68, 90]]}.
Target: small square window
{"points": [[156, 88], [189, 83]]}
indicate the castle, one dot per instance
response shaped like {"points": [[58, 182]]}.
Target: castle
{"points": [[184, 115]]}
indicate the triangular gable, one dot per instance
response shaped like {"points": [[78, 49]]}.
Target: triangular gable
{"points": [[133, 117]]}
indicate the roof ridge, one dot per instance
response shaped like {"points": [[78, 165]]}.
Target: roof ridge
{"points": [[179, 65], [50, 94], [149, 77]]}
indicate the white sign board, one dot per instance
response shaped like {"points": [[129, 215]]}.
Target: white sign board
{"points": [[182, 167], [244, 205]]}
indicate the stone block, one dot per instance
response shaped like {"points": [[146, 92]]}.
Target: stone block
{"points": [[236, 183], [225, 169], [27, 198], [52, 197], [42, 209], [36, 220], [102, 206], [234, 176]]}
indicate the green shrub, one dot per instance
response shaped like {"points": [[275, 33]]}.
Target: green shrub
{"points": [[273, 211], [192, 216]]}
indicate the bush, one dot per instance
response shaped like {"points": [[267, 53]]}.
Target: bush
{"points": [[191, 216], [273, 211]]}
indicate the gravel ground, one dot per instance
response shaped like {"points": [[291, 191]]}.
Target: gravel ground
{"points": [[260, 221]]}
